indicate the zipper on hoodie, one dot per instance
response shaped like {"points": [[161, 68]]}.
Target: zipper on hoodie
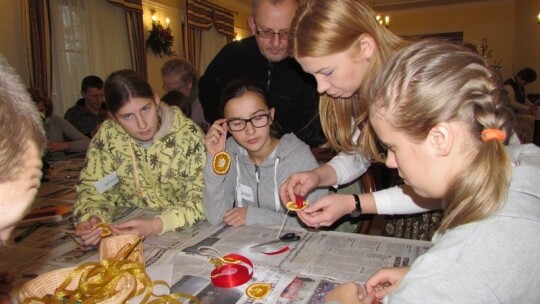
{"points": [[258, 179]]}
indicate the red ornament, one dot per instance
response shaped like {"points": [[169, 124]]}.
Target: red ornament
{"points": [[299, 201]]}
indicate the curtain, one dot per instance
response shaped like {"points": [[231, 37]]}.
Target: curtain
{"points": [[36, 29], [135, 29], [136, 42], [202, 16], [82, 46], [211, 41]]}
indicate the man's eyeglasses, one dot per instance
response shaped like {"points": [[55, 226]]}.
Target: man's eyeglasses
{"points": [[239, 124], [282, 35], [178, 88], [269, 34]]}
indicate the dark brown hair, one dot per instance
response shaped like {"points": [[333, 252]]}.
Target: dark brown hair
{"points": [[123, 85]]}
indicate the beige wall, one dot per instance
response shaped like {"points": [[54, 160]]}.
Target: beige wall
{"points": [[164, 9], [492, 19], [526, 47], [11, 38]]}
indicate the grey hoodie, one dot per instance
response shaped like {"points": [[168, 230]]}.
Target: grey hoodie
{"points": [[494, 260], [243, 187]]}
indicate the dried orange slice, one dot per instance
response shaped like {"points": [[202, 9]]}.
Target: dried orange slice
{"points": [[258, 290], [298, 204], [222, 161], [106, 230], [294, 207]]}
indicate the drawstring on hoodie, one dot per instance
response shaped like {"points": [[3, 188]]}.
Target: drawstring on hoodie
{"points": [[258, 178], [276, 194]]}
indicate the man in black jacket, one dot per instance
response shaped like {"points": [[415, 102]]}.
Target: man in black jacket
{"points": [[262, 59]]}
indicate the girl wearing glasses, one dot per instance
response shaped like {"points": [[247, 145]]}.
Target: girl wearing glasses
{"points": [[146, 155], [248, 193]]}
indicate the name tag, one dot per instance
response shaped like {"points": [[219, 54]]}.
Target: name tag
{"points": [[246, 193], [107, 182]]}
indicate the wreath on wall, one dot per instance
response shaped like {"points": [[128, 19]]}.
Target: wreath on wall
{"points": [[160, 40]]}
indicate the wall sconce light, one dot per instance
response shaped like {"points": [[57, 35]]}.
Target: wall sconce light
{"points": [[538, 17], [384, 21], [160, 38], [155, 18]]}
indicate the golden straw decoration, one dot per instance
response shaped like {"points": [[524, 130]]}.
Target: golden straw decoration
{"points": [[100, 281]]}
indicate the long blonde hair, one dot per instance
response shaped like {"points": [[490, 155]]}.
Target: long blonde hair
{"points": [[326, 27], [431, 82]]}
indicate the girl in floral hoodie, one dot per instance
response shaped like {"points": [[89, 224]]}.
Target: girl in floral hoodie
{"points": [[146, 155]]}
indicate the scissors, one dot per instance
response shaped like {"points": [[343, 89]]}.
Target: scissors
{"points": [[287, 237]]}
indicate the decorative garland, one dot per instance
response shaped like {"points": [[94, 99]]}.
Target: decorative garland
{"points": [[160, 40]]}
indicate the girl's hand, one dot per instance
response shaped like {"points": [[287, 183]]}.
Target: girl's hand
{"points": [[386, 281], [326, 210], [139, 227], [57, 146], [298, 184], [236, 217], [215, 138], [88, 236], [348, 293]]}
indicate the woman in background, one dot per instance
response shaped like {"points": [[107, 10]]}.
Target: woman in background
{"points": [[442, 115], [147, 155], [248, 193], [62, 136]]}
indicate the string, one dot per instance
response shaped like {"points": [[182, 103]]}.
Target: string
{"points": [[282, 224]]}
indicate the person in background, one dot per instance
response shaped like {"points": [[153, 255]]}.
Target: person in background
{"points": [[21, 147], [178, 75], [62, 137], [88, 112], [442, 115], [260, 159], [147, 155], [262, 58], [175, 98], [516, 88]]}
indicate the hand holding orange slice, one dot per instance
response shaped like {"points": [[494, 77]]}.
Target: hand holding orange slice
{"points": [[258, 290], [106, 230], [221, 163], [298, 204]]}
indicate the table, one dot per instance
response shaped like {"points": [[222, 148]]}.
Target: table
{"points": [[302, 274]]}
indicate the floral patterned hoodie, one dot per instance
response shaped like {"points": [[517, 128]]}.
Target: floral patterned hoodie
{"points": [[166, 175]]}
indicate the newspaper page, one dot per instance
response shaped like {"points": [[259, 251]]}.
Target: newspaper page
{"points": [[314, 265], [202, 288], [352, 257]]}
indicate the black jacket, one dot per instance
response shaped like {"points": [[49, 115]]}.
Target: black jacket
{"points": [[292, 92], [519, 91]]}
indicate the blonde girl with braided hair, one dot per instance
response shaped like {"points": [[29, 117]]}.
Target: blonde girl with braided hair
{"points": [[442, 115]]}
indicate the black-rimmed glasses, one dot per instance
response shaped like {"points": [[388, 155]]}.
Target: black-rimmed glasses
{"points": [[257, 121]]}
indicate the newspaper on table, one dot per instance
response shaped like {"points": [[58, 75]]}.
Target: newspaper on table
{"points": [[311, 267], [303, 273]]}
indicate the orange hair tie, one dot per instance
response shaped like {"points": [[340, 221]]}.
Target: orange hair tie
{"points": [[489, 134]]}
